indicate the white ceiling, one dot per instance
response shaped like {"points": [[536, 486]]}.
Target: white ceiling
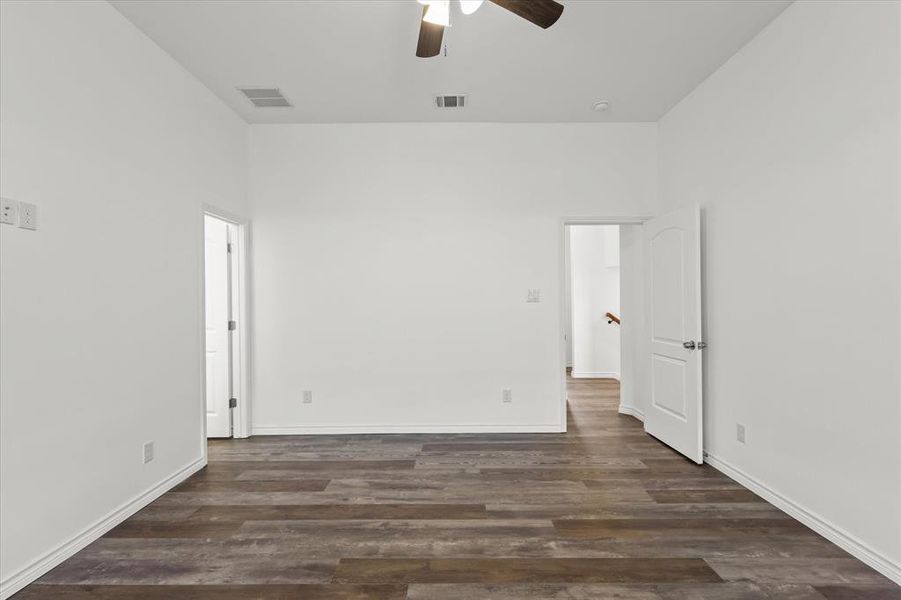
{"points": [[354, 61]]}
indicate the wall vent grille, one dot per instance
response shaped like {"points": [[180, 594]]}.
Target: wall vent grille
{"points": [[457, 101], [266, 97]]}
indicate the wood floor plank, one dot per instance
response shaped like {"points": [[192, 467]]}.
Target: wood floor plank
{"points": [[310, 465], [176, 529], [859, 592], [296, 512], [703, 496], [214, 592], [205, 566], [651, 510], [303, 485], [510, 570], [630, 528], [587, 474], [813, 571], [560, 591]]}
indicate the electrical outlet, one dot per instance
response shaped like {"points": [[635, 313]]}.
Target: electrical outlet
{"points": [[533, 295], [508, 395], [9, 211], [740, 433], [307, 397], [148, 452], [28, 216]]}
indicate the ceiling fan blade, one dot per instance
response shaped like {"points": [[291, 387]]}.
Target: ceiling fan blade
{"points": [[543, 13], [430, 38]]}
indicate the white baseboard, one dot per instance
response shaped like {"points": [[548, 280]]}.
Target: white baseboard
{"points": [[831, 532], [632, 411], [595, 375], [23, 577], [370, 429]]}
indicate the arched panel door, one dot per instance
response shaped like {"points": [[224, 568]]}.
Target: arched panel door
{"points": [[673, 250]]}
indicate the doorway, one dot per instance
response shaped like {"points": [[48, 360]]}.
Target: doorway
{"points": [[603, 350], [593, 302], [660, 337], [225, 328]]}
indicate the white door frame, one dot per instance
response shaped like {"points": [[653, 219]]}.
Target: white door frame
{"points": [[239, 264], [561, 326]]}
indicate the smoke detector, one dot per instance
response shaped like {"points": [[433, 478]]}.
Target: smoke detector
{"points": [[452, 101], [266, 97]]}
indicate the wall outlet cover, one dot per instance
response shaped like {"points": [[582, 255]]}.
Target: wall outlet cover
{"points": [[507, 395], [9, 211], [307, 397], [533, 295], [740, 433], [28, 216]]}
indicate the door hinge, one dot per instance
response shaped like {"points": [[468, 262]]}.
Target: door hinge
{"points": [[232, 402], [228, 247], [232, 325]]}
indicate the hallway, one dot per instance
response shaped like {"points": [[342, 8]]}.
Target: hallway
{"points": [[604, 511]]}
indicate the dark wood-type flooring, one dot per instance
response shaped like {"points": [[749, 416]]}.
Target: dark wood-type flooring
{"points": [[604, 511]]}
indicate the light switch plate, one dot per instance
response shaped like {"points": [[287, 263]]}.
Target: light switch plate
{"points": [[28, 216], [9, 212], [533, 295]]}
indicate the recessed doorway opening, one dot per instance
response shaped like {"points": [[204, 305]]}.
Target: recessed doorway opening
{"points": [[603, 308], [593, 302]]}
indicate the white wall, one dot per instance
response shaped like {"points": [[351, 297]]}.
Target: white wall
{"points": [[634, 383], [792, 150], [594, 250], [392, 264], [100, 307]]}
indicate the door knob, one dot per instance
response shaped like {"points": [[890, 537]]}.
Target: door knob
{"points": [[689, 345]]}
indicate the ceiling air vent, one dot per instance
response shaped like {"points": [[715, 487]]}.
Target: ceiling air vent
{"points": [[450, 101], [265, 97]]}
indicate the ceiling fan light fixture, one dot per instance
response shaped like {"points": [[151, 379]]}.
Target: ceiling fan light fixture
{"points": [[438, 13], [470, 6]]}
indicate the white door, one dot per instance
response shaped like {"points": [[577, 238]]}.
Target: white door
{"points": [[673, 263], [218, 377]]}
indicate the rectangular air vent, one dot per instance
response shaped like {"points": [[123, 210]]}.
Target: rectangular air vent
{"points": [[456, 101], [265, 97]]}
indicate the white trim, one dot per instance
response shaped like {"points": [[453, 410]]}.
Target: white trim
{"points": [[632, 412], [822, 526], [201, 331], [30, 573], [605, 220], [595, 375], [371, 429]]}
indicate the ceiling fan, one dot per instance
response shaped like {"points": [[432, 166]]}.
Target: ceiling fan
{"points": [[436, 16]]}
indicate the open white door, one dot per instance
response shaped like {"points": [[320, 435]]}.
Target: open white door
{"points": [[673, 264], [218, 377]]}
